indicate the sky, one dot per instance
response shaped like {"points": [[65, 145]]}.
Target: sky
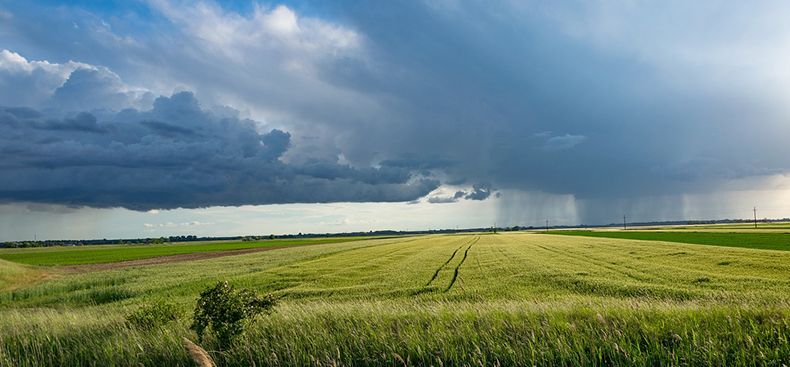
{"points": [[149, 118]]}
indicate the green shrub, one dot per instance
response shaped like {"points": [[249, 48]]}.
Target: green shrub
{"points": [[227, 310], [155, 314]]}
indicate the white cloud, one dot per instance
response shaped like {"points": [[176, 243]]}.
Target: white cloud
{"points": [[71, 86], [266, 32], [281, 21], [31, 83], [566, 141], [196, 223], [14, 63], [277, 64]]}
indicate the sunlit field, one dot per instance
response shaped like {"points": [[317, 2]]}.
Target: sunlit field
{"points": [[473, 299], [58, 255]]}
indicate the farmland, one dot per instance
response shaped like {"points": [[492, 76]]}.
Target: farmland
{"points": [[766, 241], [473, 299], [115, 253]]}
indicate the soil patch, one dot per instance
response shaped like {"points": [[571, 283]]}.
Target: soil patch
{"points": [[85, 268]]}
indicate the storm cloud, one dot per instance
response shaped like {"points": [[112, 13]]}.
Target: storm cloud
{"points": [[631, 105], [176, 155]]}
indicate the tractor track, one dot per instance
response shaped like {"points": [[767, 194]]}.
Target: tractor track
{"points": [[443, 265], [466, 253]]}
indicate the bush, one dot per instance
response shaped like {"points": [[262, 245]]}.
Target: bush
{"points": [[158, 313], [226, 311]]}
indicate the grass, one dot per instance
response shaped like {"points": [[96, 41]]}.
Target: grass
{"points": [[746, 226], [507, 299], [115, 253], [370, 333], [754, 240], [14, 276]]}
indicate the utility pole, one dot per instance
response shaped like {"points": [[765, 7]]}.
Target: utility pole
{"points": [[547, 225], [624, 227], [755, 217]]}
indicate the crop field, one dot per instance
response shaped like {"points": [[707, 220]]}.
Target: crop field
{"points": [[115, 253], [761, 227], [473, 299], [757, 240]]}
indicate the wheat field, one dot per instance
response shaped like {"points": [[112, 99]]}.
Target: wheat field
{"points": [[473, 299]]}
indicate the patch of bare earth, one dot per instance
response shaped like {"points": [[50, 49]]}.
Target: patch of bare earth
{"points": [[85, 268]]}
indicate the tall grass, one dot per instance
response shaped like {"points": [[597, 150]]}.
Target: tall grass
{"points": [[511, 299], [362, 333], [14, 276]]}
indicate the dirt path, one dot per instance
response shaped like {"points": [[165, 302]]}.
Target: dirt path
{"points": [[85, 268]]}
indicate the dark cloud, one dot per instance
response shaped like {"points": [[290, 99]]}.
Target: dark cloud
{"points": [[275, 143], [24, 112], [442, 200], [408, 160], [167, 130], [175, 155], [530, 98], [91, 88], [480, 191], [84, 122], [572, 101]]}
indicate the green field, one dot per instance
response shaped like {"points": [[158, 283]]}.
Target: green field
{"points": [[114, 253], [774, 226], [755, 240], [504, 299]]}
